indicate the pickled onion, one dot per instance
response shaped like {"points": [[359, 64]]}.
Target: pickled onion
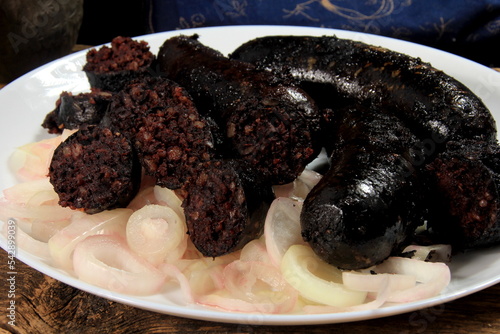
{"points": [[432, 276], [173, 273], [255, 250], [23, 192], [432, 253], [169, 198], [157, 233], [31, 161], [300, 187], [252, 286], [107, 262], [317, 281], [277, 273], [63, 243], [27, 243], [282, 228], [31, 200]]}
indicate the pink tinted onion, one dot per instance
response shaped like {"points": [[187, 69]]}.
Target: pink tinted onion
{"points": [[107, 262], [253, 286], [282, 228], [63, 243], [255, 250], [169, 198], [157, 233], [31, 161]]}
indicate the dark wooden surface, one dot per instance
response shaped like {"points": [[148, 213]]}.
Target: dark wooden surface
{"points": [[45, 305]]}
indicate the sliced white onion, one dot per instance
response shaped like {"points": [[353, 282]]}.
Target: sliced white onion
{"points": [[44, 212], [66, 133], [34, 199], [223, 300], [433, 278], [46, 197], [32, 246], [259, 282], [157, 233], [145, 196], [169, 198], [300, 187], [43, 230], [253, 286], [137, 252], [31, 161], [283, 190], [107, 262], [317, 281], [205, 275], [304, 183], [255, 250], [381, 298], [63, 243], [26, 242], [282, 228], [431, 253], [173, 273], [23, 192], [191, 252], [374, 282]]}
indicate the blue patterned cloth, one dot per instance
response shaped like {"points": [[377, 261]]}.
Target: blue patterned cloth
{"points": [[470, 28]]}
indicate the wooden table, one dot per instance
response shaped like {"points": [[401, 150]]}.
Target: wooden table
{"points": [[45, 305]]}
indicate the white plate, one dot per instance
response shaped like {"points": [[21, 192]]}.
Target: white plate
{"points": [[24, 103]]}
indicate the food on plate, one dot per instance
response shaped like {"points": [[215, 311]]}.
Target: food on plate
{"points": [[269, 123], [111, 67], [338, 71], [316, 280], [157, 233], [464, 198], [31, 161], [77, 227], [163, 124], [429, 253], [368, 204], [225, 206], [95, 169], [435, 107], [107, 261], [73, 111]]}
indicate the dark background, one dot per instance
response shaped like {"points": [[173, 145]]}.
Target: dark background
{"points": [[105, 19]]}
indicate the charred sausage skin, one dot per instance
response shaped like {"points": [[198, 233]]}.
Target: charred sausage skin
{"points": [[356, 217], [343, 71], [437, 108], [266, 122], [73, 111]]}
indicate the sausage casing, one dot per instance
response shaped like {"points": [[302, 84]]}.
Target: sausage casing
{"points": [[267, 123], [341, 71], [365, 207]]}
